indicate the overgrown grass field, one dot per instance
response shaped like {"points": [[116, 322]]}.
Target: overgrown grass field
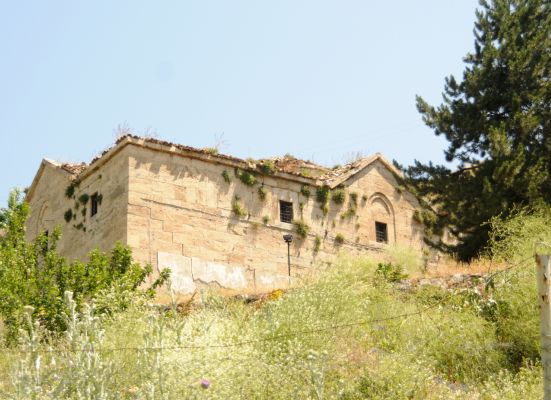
{"points": [[351, 333]]}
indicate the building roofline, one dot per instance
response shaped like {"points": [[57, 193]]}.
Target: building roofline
{"points": [[331, 178]]}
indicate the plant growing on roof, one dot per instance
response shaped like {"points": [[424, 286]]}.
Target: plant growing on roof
{"points": [[301, 228], [267, 167]]}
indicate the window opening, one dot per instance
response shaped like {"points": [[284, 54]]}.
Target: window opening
{"points": [[94, 205], [286, 211], [381, 232]]}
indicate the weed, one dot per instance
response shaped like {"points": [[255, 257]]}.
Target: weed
{"points": [[265, 220], [305, 190], [262, 193], [339, 239], [83, 198], [238, 209], [391, 272], [266, 167], [246, 177], [68, 215], [338, 196], [210, 150], [226, 176], [317, 244], [301, 228]]}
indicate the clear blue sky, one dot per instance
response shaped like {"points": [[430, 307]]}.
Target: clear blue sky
{"points": [[318, 79]]}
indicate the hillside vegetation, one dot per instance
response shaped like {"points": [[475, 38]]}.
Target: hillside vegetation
{"points": [[350, 333]]}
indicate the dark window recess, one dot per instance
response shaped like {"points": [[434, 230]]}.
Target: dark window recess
{"points": [[285, 211], [94, 205], [381, 233]]}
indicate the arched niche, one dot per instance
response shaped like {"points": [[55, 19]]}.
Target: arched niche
{"points": [[45, 221], [382, 218]]}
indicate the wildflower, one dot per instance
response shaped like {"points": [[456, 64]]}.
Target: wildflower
{"points": [[205, 383]]}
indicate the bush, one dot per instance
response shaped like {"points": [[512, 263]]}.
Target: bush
{"points": [[391, 272], [33, 274]]}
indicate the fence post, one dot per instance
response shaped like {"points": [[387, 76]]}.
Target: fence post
{"points": [[543, 276]]}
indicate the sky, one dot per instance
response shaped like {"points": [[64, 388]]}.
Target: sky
{"points": [[322, 80]]}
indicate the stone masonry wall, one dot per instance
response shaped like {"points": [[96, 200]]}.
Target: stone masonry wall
{"points": [[83, 232], [180, 216]]}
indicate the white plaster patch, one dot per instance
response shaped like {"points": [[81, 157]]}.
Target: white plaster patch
{"points": [[226, 276], [180, 267]]}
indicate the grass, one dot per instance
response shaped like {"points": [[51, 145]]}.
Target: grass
{"points": [[349, 333]]}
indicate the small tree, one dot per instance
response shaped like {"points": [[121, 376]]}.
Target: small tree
{"points": [[35, 274]]}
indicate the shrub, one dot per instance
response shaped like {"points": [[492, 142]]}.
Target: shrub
{"points": [[391, 272], [34, 274], [265, 220], [339, 239], [305, 190], [338, 196]]}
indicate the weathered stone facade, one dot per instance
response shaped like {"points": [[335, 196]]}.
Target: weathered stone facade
{"points": [[215, 220]]}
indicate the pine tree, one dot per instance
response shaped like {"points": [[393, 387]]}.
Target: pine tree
{"points": [[497, 121]]}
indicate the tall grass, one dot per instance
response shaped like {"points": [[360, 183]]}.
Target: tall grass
{"points": [[348, 334]]}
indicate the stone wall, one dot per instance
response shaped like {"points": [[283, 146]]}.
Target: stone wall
{"points": [[83, 232], [180, 216]]}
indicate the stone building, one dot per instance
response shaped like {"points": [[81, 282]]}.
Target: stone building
{"points": [[218, 220]]}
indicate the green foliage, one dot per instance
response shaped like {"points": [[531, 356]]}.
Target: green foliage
{"points": [[339, 239], [246, 177], [317, 244], [444, 353], [70, 190], [262, 193], [348, 213], [226, 176], [238, 209], [68, 215], [338, 196], [83, 198], [266, 167], [391, 272], [496, 120], [305, 190], [301, 228], [33, 274], [322, 197], [265, 220]]}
